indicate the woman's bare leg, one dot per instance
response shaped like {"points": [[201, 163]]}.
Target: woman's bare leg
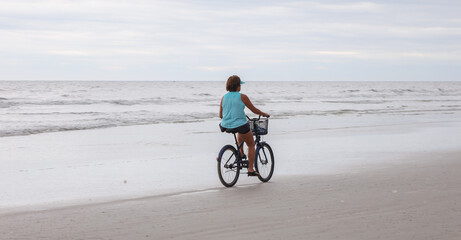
{"points": [[250, 142]]}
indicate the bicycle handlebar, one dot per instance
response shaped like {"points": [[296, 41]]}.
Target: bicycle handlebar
{"points": [[259, 117]]}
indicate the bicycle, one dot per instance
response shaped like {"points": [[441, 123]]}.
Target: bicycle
{"points": [[230, 160]]}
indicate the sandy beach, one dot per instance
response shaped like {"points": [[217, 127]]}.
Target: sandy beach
{"points": [[413, 198]]}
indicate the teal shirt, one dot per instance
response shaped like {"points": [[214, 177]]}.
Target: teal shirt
{"points": [[233, 114]]}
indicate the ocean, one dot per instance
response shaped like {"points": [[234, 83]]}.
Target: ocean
{"points": [[33, 107]]}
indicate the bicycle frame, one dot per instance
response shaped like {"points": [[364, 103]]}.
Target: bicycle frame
{"points": [[240, 162]]}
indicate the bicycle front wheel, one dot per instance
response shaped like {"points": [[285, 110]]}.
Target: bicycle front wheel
{"points": [[228, 169], [264, 162]]}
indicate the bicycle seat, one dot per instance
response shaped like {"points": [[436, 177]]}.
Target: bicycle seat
{"points": [[223, 129]]}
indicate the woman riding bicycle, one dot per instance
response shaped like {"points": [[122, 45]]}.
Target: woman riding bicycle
{"points": [[232, 113]]}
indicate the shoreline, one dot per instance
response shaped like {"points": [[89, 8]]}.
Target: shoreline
{"points": [[416, 197]]}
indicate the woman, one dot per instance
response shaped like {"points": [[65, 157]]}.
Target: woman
{"points": [[232, 113]]}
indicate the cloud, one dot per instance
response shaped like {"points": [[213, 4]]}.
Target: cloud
{"points": [[70, 53], [335, 53], [340, 7], [215, 36], [220, 68]]}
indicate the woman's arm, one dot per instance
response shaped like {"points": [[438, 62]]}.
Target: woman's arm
{"points": [[220, 108], [249, 105]]}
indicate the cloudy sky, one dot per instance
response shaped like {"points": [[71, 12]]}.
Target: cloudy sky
{"points": [[393, 40]]}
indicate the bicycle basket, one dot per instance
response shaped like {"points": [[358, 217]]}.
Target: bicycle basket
{"points": [[259, 127]]}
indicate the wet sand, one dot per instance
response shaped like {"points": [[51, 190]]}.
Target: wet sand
{"points": [[417, 197]]}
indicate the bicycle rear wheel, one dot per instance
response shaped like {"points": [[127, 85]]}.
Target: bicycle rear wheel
{"points": [[228, 169], [264, 162]]}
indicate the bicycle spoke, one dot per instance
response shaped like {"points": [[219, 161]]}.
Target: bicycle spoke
{"points": [[265, 156], [263, 168], [229, 158]]}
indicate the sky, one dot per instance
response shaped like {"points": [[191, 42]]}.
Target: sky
{"points": [[209, 40]]}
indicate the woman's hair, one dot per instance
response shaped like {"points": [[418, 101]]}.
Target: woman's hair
{"points": [[233, 83]]}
